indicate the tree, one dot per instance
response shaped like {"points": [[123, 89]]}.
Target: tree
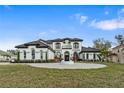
{"points": [[120, 39], [104, 46], [13, 52]]}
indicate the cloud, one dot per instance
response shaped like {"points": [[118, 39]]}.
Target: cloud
{"points": [[112, 24], [122, 10], [48, 34], [42, 33], [106, 12], [81, 18], [53, 31], [121, 13], [77, 16]]}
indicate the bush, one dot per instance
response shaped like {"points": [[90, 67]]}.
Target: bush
{"points": [[34, 61], [50, 61]]}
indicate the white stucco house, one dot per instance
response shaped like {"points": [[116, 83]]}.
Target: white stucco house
{"points": [[63, 49]]}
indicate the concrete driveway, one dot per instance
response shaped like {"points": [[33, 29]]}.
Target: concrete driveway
{"points": [[68, 66], [4, 63]]}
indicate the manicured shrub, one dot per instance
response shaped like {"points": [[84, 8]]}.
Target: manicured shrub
{"points": [[34, 61]]}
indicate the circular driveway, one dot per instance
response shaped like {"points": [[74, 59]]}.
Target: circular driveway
{"points": [[4, 63], [68, 66]]}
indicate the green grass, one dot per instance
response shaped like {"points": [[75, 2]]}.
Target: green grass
{"points": [[22, 76]]}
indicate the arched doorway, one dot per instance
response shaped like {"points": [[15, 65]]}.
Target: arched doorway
{"points": [[75, 57], [67, 56]]}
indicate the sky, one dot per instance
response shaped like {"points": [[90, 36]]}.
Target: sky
{"points": [[21, 24]]}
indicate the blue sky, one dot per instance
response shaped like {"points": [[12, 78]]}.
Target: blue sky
{"points": [[20, 24]]}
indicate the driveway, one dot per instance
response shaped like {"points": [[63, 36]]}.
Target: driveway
{"points": [[68, 66], [4, 63]]}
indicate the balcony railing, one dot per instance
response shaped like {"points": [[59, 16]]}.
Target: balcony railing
{"points": [[66, 47]]}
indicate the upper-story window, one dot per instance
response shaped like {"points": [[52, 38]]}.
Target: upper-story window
{"points": [[33, 53], [58, 46], [24, 54], [76, 45]]}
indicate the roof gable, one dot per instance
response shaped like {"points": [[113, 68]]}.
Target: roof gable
{"points": [[38, 44]]}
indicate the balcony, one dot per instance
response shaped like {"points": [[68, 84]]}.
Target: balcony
{"points": [[66, 47]]}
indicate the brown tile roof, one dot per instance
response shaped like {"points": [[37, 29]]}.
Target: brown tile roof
{"points": [[44, 43], [39, 44], [89, 49], [63, 39]]}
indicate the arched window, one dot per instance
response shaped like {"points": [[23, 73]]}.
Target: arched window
{"points": [[24, 54], [76, 45], [58, 45], [33, 54], [41, 54]]}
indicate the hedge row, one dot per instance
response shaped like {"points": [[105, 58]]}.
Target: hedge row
{"points": [[34, 61]]}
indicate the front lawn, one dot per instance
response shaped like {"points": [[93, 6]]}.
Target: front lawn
{"points": [[26, 76]]}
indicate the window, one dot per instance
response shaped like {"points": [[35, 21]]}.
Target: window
{"points": [[46, 56], [18, 55], [58, 45], [87, 56], [41, 54], [33, 54], [94, 56], [76, 45], [24, 54], [83, 56]]}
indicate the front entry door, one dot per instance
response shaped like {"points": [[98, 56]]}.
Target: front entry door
{"points": [[67, 56]]}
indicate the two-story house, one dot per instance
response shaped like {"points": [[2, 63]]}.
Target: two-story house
{"points": [[66, 49]]}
